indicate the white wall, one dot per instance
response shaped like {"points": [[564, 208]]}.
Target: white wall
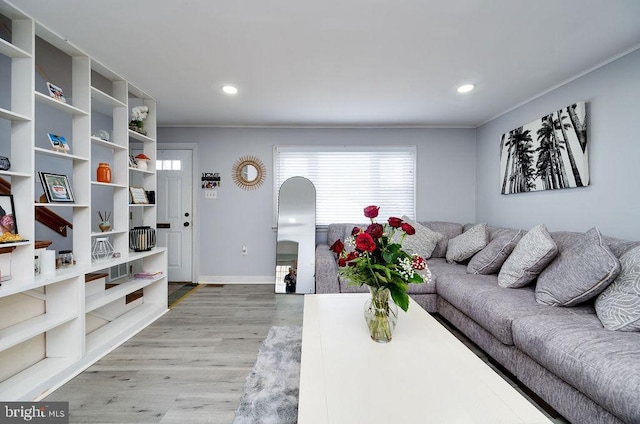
{"points": [[611, 202], [445, 180]]}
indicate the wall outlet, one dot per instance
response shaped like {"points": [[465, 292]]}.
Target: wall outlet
{"points": [[244, 249], [211, 194]]}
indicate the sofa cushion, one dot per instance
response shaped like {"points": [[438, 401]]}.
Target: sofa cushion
{"points": [[619, 246], [326, 269], [422, 242], [480, 298], [467, 244], [583, 268], [530, 256], [441, 268], [448, 230], [335, 232], [495, 232], [602, 364], [490, 259], [618, 307], [474, 296]]}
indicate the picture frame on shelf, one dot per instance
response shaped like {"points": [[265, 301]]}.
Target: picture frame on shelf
{"points": [[57, 187], [132, 162], [59, 143], [138, 196], [56, 92], [8, 221]]}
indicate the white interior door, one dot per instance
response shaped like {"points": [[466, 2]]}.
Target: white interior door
{"points": [[175, 211]]}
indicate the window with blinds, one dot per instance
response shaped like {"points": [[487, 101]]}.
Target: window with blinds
{"points": [[349, 178]]}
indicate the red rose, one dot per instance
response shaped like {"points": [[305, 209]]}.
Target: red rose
{"points": [[355, 231], [342, 262], [337, 247], [351, 255], [407, 228], [371, 211], [375, 230], [365, 243], [394, 222]]}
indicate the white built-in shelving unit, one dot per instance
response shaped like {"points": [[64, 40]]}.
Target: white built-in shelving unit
{"points": [[54, 325]]}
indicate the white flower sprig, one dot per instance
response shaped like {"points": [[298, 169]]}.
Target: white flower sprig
{"points": [[139, 113], [405, 268]]}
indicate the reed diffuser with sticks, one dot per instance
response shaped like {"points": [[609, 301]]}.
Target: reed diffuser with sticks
{"points": [[105, 224]]}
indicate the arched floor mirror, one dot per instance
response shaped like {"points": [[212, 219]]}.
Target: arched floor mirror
{"points": [[296, 241]]}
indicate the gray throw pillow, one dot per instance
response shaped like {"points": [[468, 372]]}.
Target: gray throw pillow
{"points": [[467, 244], [448, 230], [530, 256], [581, 271], [422, 242], [618, 307], [490, 259]]}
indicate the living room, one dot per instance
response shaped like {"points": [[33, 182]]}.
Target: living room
{"points": [[464, 155], [457, 161]]}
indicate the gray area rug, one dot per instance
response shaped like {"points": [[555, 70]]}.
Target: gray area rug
{"points": [[271, 391]]}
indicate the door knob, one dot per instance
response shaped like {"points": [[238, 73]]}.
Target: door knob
{"points": [[186, 224], [186, 214]]}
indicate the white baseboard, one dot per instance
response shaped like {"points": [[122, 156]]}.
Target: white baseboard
{"points": [[236, 279]]}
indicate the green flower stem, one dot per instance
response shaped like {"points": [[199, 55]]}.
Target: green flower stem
{"points": [[372, 274], [379, 325]]}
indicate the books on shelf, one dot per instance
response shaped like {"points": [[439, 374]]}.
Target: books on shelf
{"points": [[147, 274]]}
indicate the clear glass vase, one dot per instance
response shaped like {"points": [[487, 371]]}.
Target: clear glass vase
{"points": [[381, 314], [138, 126]]}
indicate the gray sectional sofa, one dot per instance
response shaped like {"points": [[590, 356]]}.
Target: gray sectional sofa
{"points": [[586, 372]]}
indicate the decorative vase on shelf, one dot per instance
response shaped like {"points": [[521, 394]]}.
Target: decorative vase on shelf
{"points": [[103, 173], [137, 126], [104, 226], [381, 314], [142, 164]]}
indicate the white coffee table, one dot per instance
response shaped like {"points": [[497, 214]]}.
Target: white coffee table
{"points": [[424, 375]]}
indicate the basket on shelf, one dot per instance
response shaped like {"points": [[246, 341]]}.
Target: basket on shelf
{"points": [[142, 239]]}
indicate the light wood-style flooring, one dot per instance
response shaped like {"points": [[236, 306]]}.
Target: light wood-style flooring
{"points": [[189, 366]]}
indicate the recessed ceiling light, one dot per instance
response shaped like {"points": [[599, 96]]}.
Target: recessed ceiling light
{"points": [[466, 88], [229, 89]]}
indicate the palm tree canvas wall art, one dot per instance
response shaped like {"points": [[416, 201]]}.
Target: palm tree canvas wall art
{"points": [[549, 153]]}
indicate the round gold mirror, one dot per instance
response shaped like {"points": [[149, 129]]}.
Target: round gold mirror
{"points": [[248, 172]]}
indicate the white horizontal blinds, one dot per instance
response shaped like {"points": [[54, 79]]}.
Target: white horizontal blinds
{"points": [[347, 179]]}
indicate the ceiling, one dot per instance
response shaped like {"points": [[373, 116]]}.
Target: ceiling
{"points": [[343, 62]]}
